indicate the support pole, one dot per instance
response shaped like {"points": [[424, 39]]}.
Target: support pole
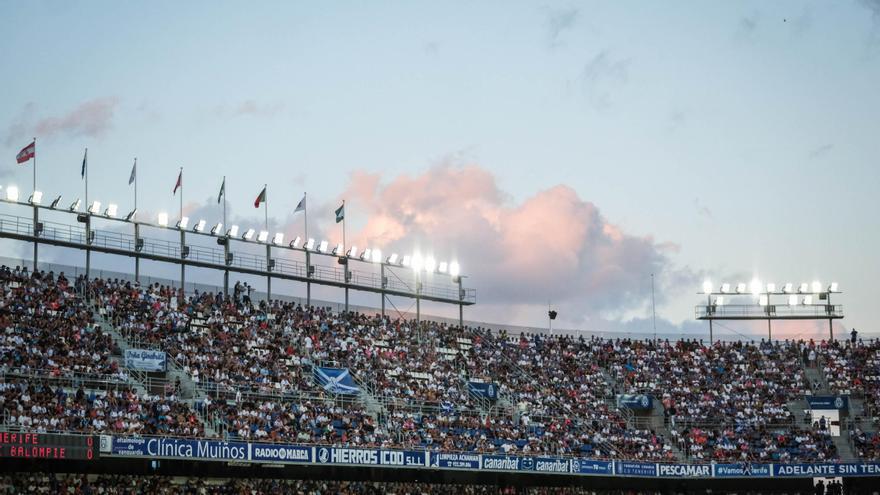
{"points": [[268, 269], [226, 264], [182, 261], [418, 299], [137, 258], [769, 330], [36, 234], [88, 244], [308, 276], [382, 284]]}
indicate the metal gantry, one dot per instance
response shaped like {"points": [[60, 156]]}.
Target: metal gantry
{"points": [[81, 235]]}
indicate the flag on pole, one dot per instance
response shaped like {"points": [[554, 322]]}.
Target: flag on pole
{"points": [[222, 191], [133, 175], [26, 153], [340, 213], [301, 206], [260, 198], [179, 182], [82, 172]]}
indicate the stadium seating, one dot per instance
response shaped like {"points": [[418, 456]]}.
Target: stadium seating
{"points": [[255, 361]]}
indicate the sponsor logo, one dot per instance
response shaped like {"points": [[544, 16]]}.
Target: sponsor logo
{"points": [[323, 454], [685, 470], [505, 463], [838, 402]]}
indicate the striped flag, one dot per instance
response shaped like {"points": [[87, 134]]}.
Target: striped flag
{"points": [[82, 172], [222, 191], [261, 198], [179, 182], [26, 153], [301, 206], [340, 213], [133, 175]]}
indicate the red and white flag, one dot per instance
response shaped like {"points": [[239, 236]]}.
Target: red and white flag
{"points": [[26, 153], [261, 198], [179, 182]]}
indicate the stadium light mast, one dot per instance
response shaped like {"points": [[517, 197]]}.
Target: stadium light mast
{"points": [[769, 302]]}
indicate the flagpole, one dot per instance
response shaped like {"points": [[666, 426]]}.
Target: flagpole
{"points": [[135, 183], [344, 248], [86, 160], [35, 163], [181, 194], [266, 205], [306, 214], [305, 242], [224, 203]]}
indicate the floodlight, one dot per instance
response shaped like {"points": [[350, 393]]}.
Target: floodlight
{"points": [[36, 197], [338, 250], [740, 288], [182, 223], [755, 287], [249, 234], [405, 261], [817, 287], [430, 264], [55, 202], [392, 260], [789, 288], [200, 225], [95, 208], [75, 205], [323, 246], [725, 288], [12, 193], [310, 244], [804, 288], [233, 231], [719, 301], [454, 269], [163, 219], [763, 299], [296, 242], [377, 256], [417, 263], [808, 300], [263, 236], [792, 300], [367, 254], [131, 215], [278, 239], [444, 267], [352, 252], [217, 228], [771, 287], [707, 287], [832, 287], [111, 210]]}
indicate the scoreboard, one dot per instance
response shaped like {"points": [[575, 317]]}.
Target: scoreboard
{"points": [[47, 446]]}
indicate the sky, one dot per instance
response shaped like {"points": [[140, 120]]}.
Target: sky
{"points": [[562, 152]]}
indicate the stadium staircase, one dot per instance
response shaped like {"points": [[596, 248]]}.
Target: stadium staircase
{"points": [[144, 382], [655, 421]]}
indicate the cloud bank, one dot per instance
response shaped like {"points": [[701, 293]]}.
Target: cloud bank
{"points": [[92, 118]]}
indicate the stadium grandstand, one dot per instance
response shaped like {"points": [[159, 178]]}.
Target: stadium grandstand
{"points": [[149, 379]]}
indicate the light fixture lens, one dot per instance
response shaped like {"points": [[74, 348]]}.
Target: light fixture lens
{"points": [[444, 267], [95, 208], [323, 246], [310, 244], [249, 234], [392, 260], [833, 287], [817, 287], [417, 262], [217, 228], [263, 236], [789, 287], [377, 256], [430, 264], [200, 225], [755, 287], [184, 221], [725, 288], [771, 287], [804, 288], [163, 219], [278, 239], [296, 242], [353, 252], [36, 197], [75, 205], [454, 269], [233, 231], [405, 261], [12, 193], [740, 288], [707, 287], [112, 209], [367, 255]]}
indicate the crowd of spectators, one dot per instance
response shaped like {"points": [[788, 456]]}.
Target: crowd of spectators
{"points": [[47, 329], [556, 393], [34, 405]]}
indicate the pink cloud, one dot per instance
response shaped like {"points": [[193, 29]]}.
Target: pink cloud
{"points": [[553, 245], [92, 118]]}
